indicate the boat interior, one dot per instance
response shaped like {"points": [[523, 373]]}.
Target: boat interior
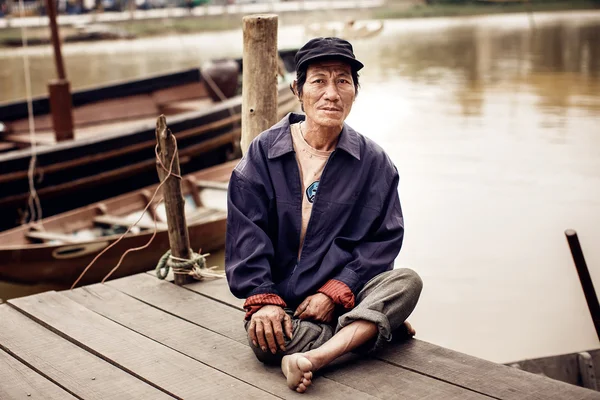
{"points": [[95, 118], [205, 201]]}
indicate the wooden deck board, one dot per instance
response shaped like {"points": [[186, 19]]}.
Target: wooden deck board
{"points": [[19, 382], [186, 304], [66, 364], [173, 372], [215, 316], [208, 347], [479, 375], [145, 338]]}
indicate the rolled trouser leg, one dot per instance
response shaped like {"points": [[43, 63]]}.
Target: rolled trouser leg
{"points": [[306, 335], [386, 300]]}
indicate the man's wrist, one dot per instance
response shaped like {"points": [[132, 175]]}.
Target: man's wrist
{"points": [[257, 301]]}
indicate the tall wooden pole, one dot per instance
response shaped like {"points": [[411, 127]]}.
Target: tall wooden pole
{"points": [[259, 85], [60, 91], [584, 278], [174, 203]]}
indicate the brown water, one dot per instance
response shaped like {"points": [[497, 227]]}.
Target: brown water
{"points": [[494, 124]]}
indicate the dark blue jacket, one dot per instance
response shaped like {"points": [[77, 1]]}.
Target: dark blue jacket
{"points": [[355, 230]]}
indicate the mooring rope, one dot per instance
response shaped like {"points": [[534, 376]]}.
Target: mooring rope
{"points": [[170, 173], [196, 266], [33, 202]]}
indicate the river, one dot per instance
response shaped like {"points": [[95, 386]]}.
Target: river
{"points": [[494, 125]]}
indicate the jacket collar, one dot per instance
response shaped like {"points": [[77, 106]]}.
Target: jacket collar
{"points": [[282, 142]]}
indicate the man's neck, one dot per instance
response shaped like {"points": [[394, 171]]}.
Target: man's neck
{"points": [[320, 138]]}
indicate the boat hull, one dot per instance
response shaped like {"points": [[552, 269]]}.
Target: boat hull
{"points": [[78, 172], [52, 264]]}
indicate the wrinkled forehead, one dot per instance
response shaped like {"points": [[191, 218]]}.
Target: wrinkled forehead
{"points": [[329, 67]]}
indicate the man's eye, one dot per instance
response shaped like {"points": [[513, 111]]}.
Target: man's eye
{"points": [[343, 80]]}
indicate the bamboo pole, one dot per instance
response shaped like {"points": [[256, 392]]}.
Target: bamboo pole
{"points": [[59, 89], [174, 203], [259, 85]]}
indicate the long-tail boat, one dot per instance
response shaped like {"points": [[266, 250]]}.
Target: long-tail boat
{"points": [[111, 152], [57, 249]]}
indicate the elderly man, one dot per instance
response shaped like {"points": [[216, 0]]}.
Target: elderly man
{"points": [[314, 225]]}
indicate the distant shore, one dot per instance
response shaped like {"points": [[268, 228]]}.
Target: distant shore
{"points": [[395, 9]]}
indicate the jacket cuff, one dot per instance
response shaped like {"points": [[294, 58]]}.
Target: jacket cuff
{"points": [[257, 301], [351, 279], [339, 292]]}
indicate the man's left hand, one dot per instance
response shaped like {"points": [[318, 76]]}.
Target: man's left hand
{"points": [[318, 307]]}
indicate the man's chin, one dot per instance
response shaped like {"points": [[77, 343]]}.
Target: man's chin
{"points": [[330, 122]]}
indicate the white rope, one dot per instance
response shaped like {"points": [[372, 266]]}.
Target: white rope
{"points": [[35, 207]]}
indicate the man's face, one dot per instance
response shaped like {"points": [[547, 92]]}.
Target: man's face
{"points": [[328, 93]]}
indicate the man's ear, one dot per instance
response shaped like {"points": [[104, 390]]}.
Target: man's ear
{"points": [[295, 87]]}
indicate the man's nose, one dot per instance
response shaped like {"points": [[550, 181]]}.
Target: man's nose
{"points": [[331, 92]]}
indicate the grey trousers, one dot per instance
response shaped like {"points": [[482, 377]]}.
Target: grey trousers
{"points": [[386, 300]]}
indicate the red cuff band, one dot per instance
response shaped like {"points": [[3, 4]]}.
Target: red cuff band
{"points": [[256, 302], [339, 292]]}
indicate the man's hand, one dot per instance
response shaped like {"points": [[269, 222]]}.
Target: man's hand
{"points": [[267, 326], [318, 307]]}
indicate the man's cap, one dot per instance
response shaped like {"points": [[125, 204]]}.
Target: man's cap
{"points": [[327, 48]]}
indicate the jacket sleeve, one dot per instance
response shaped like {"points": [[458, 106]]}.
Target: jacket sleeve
{"points": [[248, 248], [378, 250]]}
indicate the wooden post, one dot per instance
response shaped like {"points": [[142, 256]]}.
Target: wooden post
{"points": [[584, 278], [60, 93], [259, 85], [174, 202]]}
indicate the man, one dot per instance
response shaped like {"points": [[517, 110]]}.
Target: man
{"points": [[314, 225]]}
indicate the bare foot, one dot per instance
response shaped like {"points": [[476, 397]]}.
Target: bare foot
{"points": [[298, 371], [409, 329]]}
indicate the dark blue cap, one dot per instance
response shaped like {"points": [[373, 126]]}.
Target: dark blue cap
{"points": [[327, 48]]}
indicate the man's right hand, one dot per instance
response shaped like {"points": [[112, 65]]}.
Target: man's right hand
{"points": [[267, 327]]}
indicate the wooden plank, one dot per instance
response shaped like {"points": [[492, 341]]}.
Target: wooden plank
{"points": [[65, 363], [217, 317], [120, 221], [162, 367], [192, 307], [587, 370], [204, 184], [19, 382], [208, 347], [50, 236], [483, 376], [476, 374], [217, 290]]}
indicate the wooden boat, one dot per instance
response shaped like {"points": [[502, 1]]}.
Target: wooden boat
{"points": [[114, 136], [576, 368], [59, 253], [349, 30]]}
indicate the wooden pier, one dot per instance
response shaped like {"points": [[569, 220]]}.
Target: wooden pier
{"points": [[139, 337]]}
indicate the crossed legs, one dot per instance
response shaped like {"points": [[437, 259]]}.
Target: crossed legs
{"points": [[384, 304]]}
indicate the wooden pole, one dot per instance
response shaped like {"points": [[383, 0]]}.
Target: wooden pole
{"points": [[584, 278], [259, 85], [174, 202], [60, 90]]}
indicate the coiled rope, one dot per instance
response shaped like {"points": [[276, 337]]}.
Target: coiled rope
{"points": [[195, 267]]}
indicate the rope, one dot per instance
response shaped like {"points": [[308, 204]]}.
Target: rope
{"points": [[170, 173], [195, 266], [33, 202]]}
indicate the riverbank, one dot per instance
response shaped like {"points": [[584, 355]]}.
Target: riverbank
{"points": [[396, 9]]}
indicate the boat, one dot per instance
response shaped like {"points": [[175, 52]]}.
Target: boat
{"points": [[68, 242], [111, 152], [349, 30], [575, 368]]}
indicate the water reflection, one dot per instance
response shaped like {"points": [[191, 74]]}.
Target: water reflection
{"points": [[559, 62]]}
